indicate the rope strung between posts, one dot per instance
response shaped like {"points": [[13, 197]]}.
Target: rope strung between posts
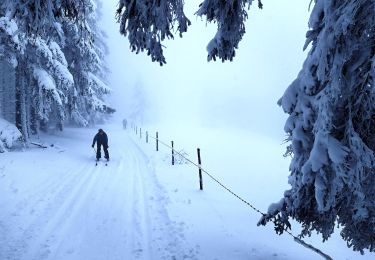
{"points": [[295, 238], [212, 177]]}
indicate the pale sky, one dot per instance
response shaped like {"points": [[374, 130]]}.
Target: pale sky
{"points": [[188, 89]]}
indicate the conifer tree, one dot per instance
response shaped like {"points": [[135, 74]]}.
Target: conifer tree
{"points": [[85, 52], [59, 68], [331, 127]]}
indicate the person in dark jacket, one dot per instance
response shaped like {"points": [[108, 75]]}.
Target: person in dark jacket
{"points": [[101, 139]]}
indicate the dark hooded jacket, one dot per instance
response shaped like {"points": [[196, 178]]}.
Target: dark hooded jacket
{"points": [[101, 138]]}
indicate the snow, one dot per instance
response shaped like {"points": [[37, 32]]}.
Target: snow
{"points": [[8, 135], [56, 52], [336, 150], [47, 84], [56, 204], [10, 27], [98, 84]]}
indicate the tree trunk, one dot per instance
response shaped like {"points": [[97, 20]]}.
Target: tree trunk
{"points": [[21, 99]]}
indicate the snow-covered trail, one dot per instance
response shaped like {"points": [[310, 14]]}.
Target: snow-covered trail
{"points": [[78, 210], [56, 204]]}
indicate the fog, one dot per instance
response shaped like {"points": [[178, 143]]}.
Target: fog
{"points": [[241, 94]]}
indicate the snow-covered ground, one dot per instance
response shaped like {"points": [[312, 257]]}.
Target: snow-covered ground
{"points": [[56, 204]]}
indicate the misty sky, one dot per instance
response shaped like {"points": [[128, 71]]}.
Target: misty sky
{"points": [[188, 89]]}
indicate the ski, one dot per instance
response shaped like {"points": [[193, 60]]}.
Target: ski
{"points": [[106, 162]]}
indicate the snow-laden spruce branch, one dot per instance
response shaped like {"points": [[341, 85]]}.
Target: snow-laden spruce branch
{"points": [[40, 15], [230, 17], [147, 23]]}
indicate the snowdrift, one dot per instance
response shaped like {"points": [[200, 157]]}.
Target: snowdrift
{"points": [[9, 134]]}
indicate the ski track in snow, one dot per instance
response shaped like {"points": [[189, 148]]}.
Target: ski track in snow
{"points": [[95, 212]]}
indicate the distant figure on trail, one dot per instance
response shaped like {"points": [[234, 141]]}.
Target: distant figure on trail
{"points": [[124, 123], [101, 139]]}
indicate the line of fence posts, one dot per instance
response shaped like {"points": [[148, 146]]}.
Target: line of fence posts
{"points": [[173, 152], [201, 181]]}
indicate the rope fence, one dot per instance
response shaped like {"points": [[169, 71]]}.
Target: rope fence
{"points": [[200, 169]]}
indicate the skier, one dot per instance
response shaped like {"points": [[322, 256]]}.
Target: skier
{"points": [[101, 139], [124, 123]]}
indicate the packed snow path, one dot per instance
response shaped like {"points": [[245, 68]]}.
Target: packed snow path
{"points": [[76, 210], [56, 204]]}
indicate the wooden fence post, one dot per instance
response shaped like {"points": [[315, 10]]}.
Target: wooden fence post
{"points": [[200, 169], [136, 130], [172, 153], [146, 136], [157, 141], [140, 133]]}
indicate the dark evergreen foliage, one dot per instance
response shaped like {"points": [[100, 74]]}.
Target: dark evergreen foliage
{"points": [[60, 69]]}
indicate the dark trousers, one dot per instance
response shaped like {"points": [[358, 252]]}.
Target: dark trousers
{"points": [[98, 152]]}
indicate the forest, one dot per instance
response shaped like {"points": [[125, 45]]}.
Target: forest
{"points": [[52, 66]]}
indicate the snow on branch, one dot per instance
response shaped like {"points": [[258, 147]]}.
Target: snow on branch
{"points": [[9, 28], [97, 84], [331, 126], [230, 17], [10, 43], [46, 83], [48, 94], [148, 22]]}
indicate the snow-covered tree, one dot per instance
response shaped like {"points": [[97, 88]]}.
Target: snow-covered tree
{"points": [[331, 105], [41, 75], [331, 127], [10, 44], [51, 80], [85, 51], [59, 67]]}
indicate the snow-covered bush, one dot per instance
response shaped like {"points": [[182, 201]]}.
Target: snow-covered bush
{"points": [[8, 135]]}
